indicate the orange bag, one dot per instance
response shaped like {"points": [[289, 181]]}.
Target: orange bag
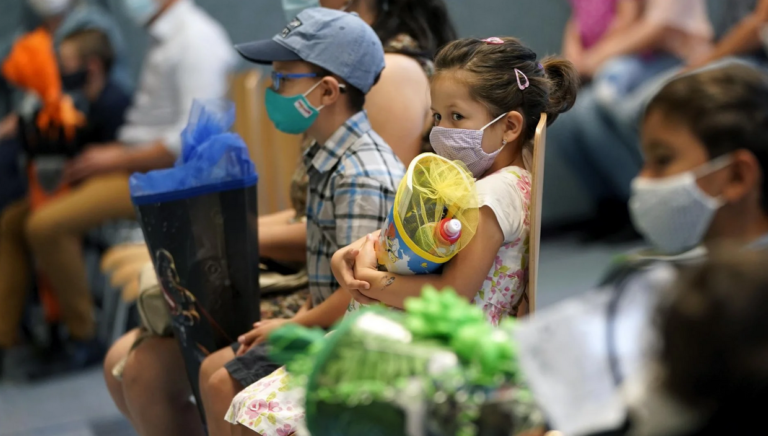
{"points": [[32, 65]]}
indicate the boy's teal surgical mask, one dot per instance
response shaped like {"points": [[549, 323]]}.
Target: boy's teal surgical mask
{"points": [[292, 115]]}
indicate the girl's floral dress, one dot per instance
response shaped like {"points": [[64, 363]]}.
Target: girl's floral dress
{"points": [[508, 193], [269, 406]]}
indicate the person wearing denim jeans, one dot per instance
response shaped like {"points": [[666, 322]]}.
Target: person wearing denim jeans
{"points": [[612, 126], [593, 147], [591, 138]]}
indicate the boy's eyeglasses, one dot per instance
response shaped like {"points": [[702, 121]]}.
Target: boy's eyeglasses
{"points": [[277, 78]]}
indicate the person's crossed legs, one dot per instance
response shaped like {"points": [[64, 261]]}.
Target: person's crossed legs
{"points": [[53, 235], [55, 231]]}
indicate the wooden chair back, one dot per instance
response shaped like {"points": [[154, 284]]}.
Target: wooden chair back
{"points": [[539, 150]]}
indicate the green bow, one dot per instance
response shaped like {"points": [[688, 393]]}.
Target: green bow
{"points": [[486, 352]]}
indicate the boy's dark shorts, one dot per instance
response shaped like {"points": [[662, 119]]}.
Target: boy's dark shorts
{"points": [[252, 366]]}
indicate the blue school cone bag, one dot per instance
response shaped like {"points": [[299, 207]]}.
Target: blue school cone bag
{"points": [[199, 221]]}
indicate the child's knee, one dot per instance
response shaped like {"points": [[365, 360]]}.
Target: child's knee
{"points": [[12, 219], [114, 358], [207, 369], [151, 373], [221, 387], [137, 377], [214, 363], [118, 353], [41, 228]]}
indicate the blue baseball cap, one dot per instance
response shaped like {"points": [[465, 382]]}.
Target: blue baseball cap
{"points": [[337, 41]]}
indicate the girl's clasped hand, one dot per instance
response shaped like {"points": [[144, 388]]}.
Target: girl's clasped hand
{"points": [[357, 270]]}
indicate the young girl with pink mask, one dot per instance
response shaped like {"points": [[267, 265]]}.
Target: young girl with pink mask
{"points": [[487, 100]]}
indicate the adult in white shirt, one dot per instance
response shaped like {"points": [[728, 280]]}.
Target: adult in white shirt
{"points": [[189, 58]]}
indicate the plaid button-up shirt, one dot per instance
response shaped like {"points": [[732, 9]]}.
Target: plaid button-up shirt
{"points": [[353, 178]]}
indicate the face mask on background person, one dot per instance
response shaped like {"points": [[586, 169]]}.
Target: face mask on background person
{"points": [[74, 81], [346, 6], [673, 213], [292, 115], [141, 11], [49, 8], [291, 8], [465, 145]]}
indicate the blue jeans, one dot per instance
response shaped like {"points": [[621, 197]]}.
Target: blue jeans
{"points": [[627, 113], [621, 76], [599, 137], [592, 147], [601, 142]]}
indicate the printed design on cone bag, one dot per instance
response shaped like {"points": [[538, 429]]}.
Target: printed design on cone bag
{"points": [[181, 302], [394, 254]]}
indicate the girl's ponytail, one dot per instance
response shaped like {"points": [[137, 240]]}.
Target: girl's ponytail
{"points": [[563, 86]]}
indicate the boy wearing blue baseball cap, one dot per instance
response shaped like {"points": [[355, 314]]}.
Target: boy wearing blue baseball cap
{"points": [[325, 62]]}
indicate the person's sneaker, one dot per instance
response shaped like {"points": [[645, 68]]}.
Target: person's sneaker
{"points": [[79, 355]]}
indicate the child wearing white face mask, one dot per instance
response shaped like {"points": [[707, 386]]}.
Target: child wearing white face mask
{"points": [[703, 182], [487, 99], [672, 212]]}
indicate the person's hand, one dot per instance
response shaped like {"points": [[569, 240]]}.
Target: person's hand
{"points": [[577, 59], [343, 267], [366, 269], [96, 160], [260, 333], [588, 66], [8, 126], [366, 256], [572, 53]]}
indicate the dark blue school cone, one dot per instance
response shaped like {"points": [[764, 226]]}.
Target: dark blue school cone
{"points": [[199, 220]]}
